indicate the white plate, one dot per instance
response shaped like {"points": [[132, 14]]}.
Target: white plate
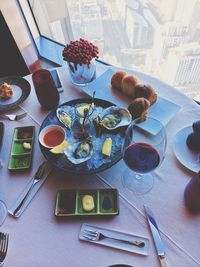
{"points": [[162, 110], [187, 157]]}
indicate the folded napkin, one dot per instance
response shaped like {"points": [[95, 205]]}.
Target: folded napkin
{"points": [[36, 187]]}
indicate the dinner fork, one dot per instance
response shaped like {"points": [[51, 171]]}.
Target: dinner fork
{"points": [[97, 236], [13, 117], [3, 246], [38, 176]]}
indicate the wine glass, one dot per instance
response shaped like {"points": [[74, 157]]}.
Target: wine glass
{"points": [[3, 211], [143, 151]]}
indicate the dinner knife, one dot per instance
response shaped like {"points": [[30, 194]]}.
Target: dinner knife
{"points": [[156, 237], [1, 139]]}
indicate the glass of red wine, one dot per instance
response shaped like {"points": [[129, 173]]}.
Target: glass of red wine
{"points": [[143, 151]]}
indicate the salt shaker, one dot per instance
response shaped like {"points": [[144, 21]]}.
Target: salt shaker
{"points": [[192, 194]]}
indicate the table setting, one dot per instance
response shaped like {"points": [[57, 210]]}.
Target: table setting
{"points": [[100, 167]]}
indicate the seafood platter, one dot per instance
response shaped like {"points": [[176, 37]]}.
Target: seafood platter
{"points": [[94, 131]]}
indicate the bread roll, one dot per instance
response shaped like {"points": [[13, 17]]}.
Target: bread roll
{"points": [[138, 108], [128, 85], [116, 80], [146, 91]]}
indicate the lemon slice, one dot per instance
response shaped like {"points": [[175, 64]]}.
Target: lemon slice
{"points": [[107, 147], [60, 148]]}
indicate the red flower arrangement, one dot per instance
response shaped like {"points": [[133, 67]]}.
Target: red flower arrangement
{"points": [[80, 52]]}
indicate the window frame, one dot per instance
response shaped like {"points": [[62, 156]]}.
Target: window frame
{"points": [[43, 44]]}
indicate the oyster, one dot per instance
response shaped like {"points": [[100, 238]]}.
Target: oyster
{"points": [[64, 117], [81, 109], [80, 151], [111, 120], [114, 117]]}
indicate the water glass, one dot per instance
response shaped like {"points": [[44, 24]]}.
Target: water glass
{"points": [[3, 211], [45, 89]]}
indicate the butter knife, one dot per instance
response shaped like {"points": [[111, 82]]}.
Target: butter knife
{"points": [[30, 190], [156, 237], [37, 177]]}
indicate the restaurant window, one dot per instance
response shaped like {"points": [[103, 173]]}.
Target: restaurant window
{"points": [[158, 37]]}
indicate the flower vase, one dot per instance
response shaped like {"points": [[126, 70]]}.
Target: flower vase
{"points": [[82, 74]]}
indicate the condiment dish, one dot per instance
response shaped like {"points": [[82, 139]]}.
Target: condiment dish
{"points": [[52, 136]]}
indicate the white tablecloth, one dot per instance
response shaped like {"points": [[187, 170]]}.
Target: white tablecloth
{"points": [[38, 238]]}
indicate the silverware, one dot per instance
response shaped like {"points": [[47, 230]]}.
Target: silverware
{"points": [[97, 236], [38, 176], [1, 139], [13, 117], [3, 246], [156, 236]]}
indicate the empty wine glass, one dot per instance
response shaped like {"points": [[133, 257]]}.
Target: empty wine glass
{"points": [[143, 151], [3, 211]]}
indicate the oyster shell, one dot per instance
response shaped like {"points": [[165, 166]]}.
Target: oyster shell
{"points": [[85, 107], [64, 117], [79, 152], [111, 120], [114, 117]]}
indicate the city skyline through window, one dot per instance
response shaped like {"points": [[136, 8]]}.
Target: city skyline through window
{"points": [[160, 38]]}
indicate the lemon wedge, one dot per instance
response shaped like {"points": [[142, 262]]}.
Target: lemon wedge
{"points": [[60, 148], [107, 146]]}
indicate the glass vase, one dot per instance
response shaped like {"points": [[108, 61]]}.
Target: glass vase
{"points": [[82, 74]]}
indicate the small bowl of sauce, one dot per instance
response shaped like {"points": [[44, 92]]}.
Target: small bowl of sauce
{"points": [[52, 136]]}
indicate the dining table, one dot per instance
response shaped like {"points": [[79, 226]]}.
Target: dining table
{"points": [[39, 238]]}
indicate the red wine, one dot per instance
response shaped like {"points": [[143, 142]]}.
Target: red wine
{"points": [[141, 157]]}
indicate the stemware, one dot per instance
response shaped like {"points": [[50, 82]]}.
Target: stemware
{"points": [[3, 211], [81, 128], [143, 151], [82, 123]]}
